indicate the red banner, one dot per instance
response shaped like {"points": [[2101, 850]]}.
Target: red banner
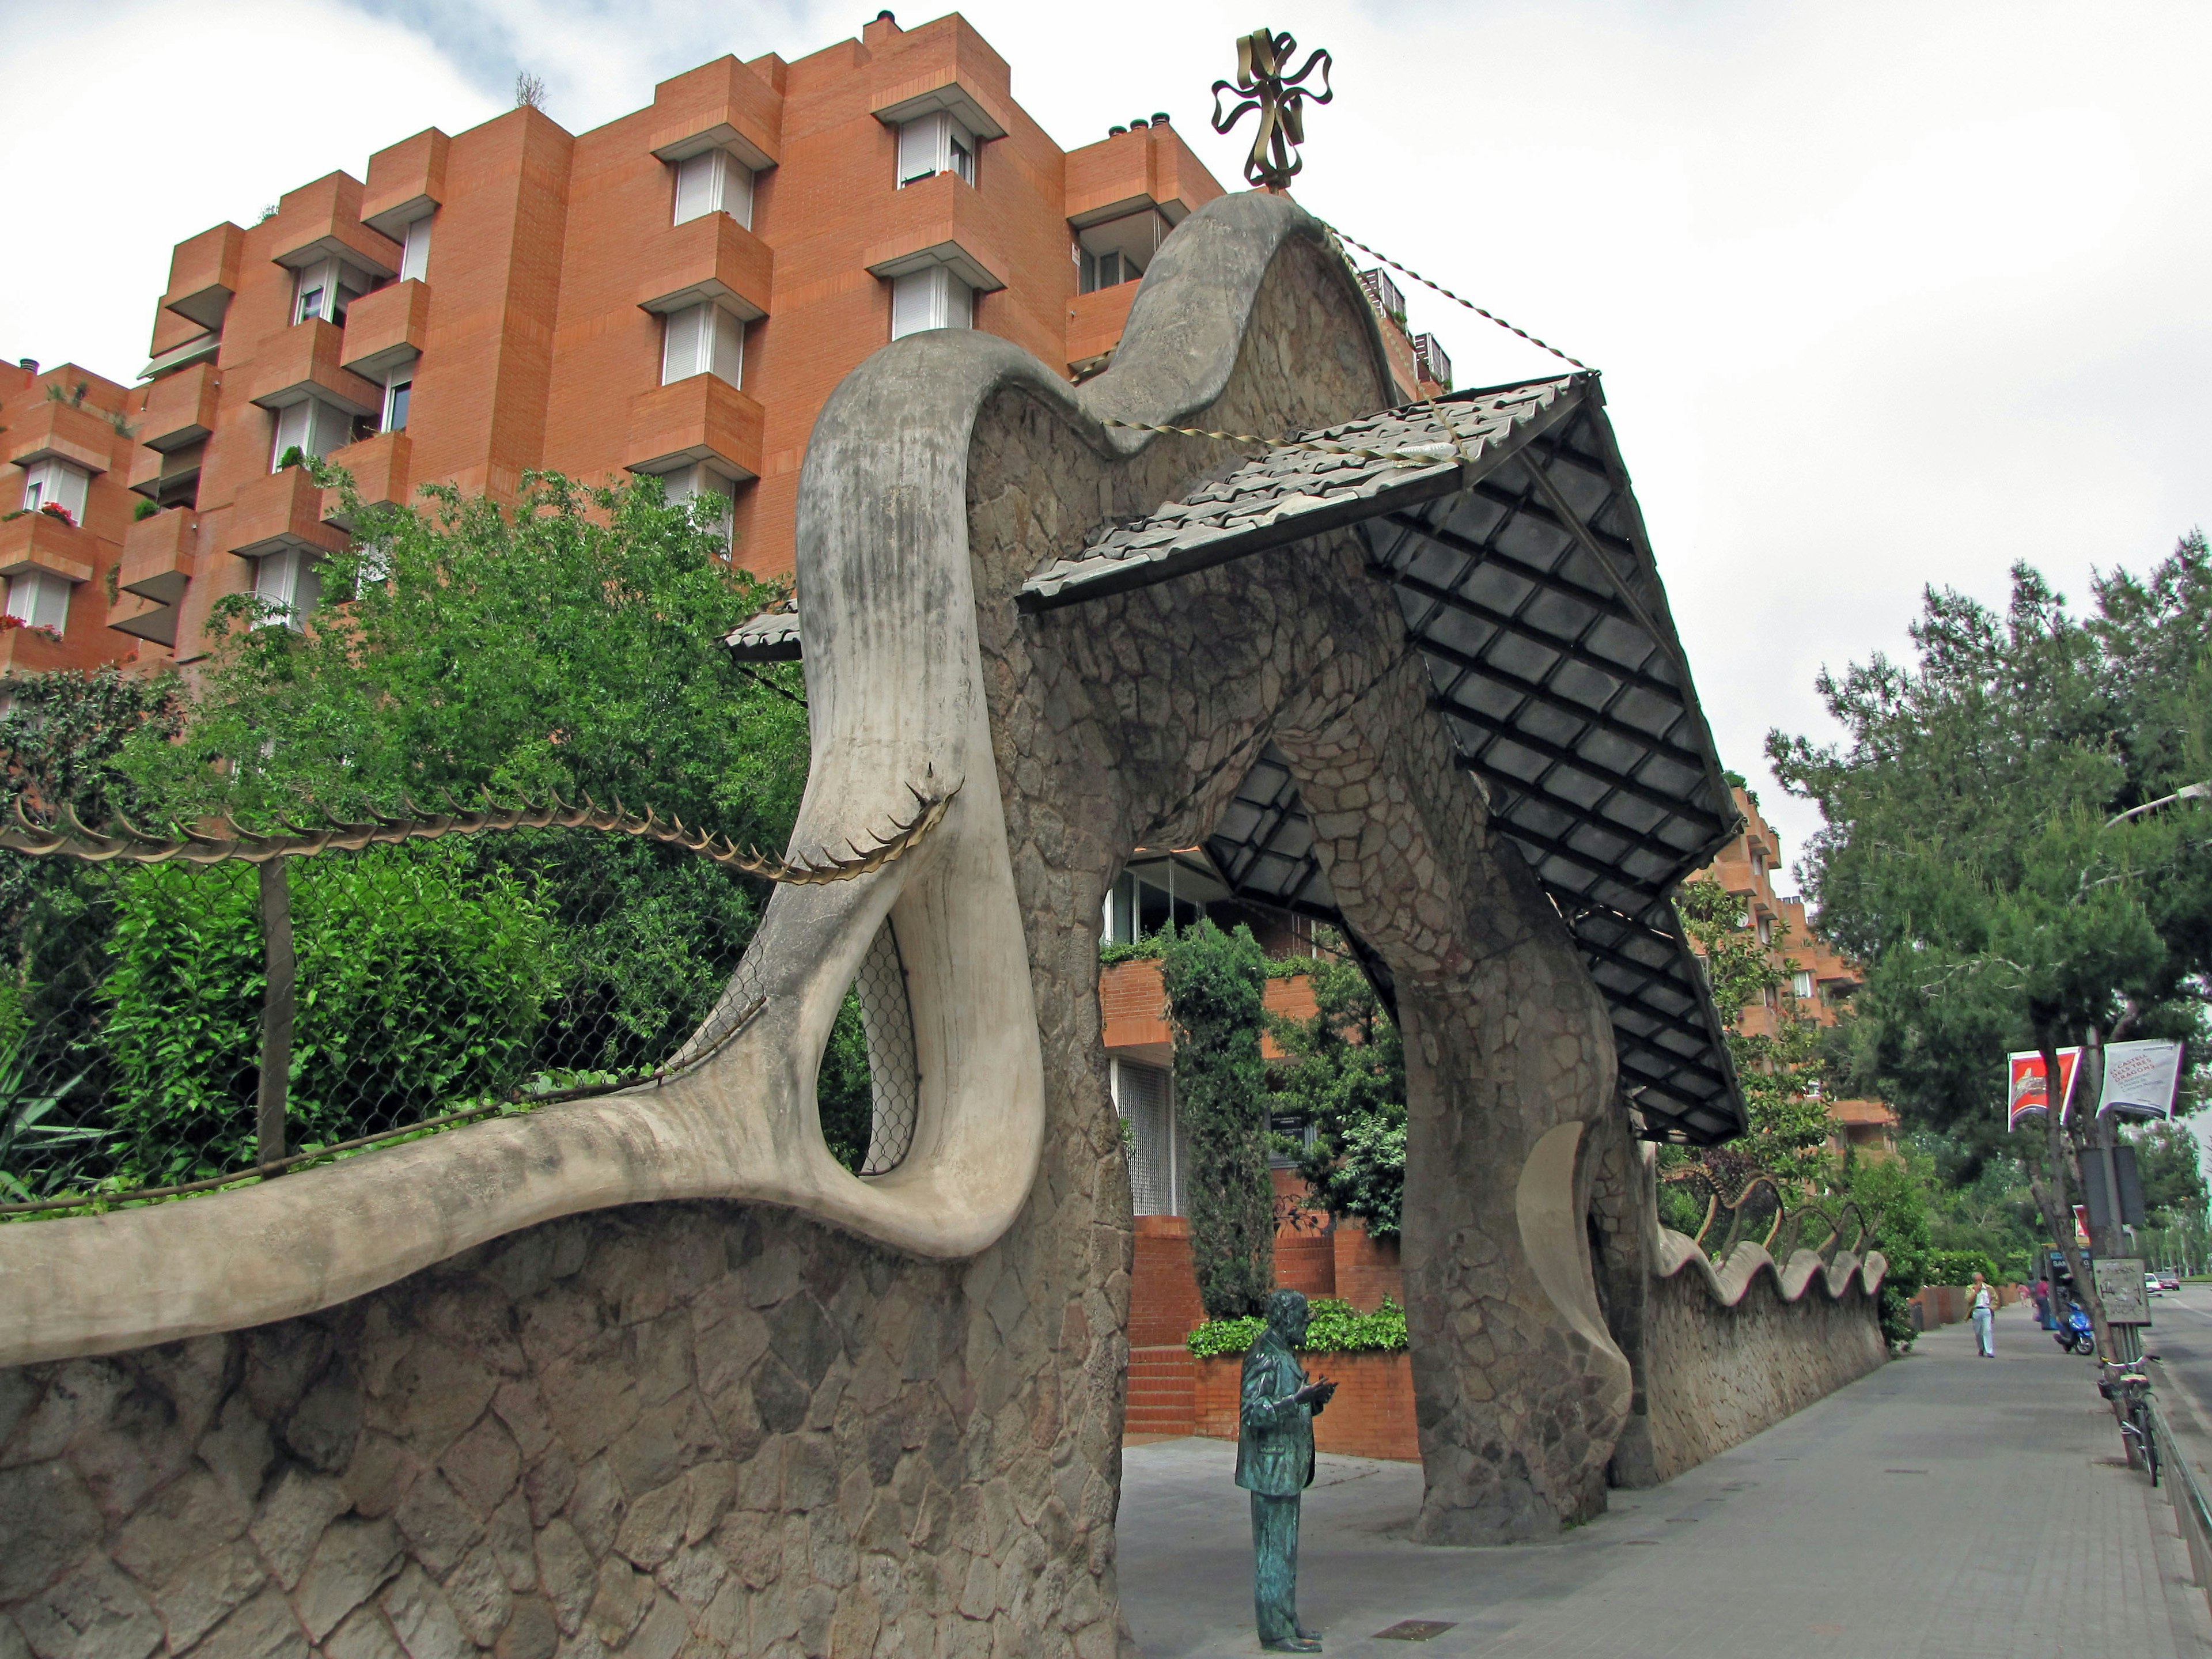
{"points": [[2027, 1097]]}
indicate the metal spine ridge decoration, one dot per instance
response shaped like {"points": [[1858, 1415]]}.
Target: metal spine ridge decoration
{"points": [[1729, 1279], [67, 836]]}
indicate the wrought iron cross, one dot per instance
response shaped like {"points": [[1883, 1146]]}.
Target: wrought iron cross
{"points": [[1261, 58]]}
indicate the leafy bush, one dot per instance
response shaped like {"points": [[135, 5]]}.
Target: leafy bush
{"points": [[1959, 1267], [419, 982], [1214, 984], [1337, 1328]]}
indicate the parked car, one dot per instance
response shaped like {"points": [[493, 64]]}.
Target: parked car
{"points": [[2169, 1281]]}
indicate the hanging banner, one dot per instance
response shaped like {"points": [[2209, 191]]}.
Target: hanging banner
{"points": [[2026, 1098], [2140, 1078]]}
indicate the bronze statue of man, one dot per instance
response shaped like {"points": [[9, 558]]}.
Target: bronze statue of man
{"points": [[1275, 1464]]}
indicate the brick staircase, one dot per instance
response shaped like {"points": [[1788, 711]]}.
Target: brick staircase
{"points": [[1163, 1391]]}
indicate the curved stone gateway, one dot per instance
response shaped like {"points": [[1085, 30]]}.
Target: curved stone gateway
{"points": [[653, 1371]]}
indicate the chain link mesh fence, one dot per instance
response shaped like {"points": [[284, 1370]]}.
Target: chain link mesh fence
{"points": [[149, 1039]]}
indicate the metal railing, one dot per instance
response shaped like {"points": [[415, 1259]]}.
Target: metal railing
{"points": [[179, 1014], [2191, 1509]]}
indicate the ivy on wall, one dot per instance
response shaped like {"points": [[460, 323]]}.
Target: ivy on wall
{"points": [[1215, 982]]}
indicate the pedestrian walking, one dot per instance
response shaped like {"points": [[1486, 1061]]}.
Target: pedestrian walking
{"points": [[2043, 1305], [1983, 1301]]}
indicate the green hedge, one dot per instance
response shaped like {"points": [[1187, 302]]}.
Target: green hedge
{"points": [[1337, 1328]]}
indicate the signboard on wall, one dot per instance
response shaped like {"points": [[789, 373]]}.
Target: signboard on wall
{"points": [[2140, 1078], [2026, 1097]]}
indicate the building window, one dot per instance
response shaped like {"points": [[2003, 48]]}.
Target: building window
{"points": [[703, 339], [312, 428], [713, 182], [1145, 1097], [701, 483], [1120, 251], [415, 250], [287, 584], [1801, 983], [395, 399], [934, 298], [934, 143], [324, 289], [39, 599], [51, 482], [1766, 930]]}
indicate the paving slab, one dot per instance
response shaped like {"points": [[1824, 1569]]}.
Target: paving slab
{"points": [[1946, 1505]]}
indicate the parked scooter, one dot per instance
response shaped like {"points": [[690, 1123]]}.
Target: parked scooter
{"points": [[2074, 1335]]}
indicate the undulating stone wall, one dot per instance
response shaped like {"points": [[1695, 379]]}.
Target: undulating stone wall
{"points": [[686, 1428], [1718, 1373]]}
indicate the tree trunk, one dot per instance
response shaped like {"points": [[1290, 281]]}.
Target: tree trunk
{"points": [[2063, 1176]]}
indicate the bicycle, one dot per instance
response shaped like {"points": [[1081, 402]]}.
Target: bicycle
{"points": [[2129, 1386]]}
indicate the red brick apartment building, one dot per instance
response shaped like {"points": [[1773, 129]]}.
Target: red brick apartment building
{"points": [[1821, 979], [675, 293]]}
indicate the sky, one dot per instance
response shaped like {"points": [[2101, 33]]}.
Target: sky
{"points": [[1885, 295]]}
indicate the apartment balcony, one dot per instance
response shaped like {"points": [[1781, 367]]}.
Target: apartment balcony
{"points": [[385, 329], [712, 258], [32, 651], [180, 408], [703, 419], [719, 105], [320, 220], [404, 182], [1095, 322], [204, 275], [82, 437], [1144, 167], [39, 541], [283, 510], [940, 222], [157, 556], [142, 619], [161, 474], [1133, 1008], [307, 361], [380, 467]]}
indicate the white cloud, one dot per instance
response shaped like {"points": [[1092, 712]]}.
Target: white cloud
{"points": [[130, 128], [1886, 293]]}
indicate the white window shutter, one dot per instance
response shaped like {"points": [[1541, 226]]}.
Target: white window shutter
{"points": [[329, 427], [738, 190], [39, 599], [915, 302], [698, 186], [959, 303], [680, 350], [70, 488], [923, 145], [729, 346], [414, 252], [292, 432]]}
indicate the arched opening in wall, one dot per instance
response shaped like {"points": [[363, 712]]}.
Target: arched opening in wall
{"points": [[869, 1088]]}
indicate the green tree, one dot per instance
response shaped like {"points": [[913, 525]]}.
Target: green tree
{"points": [[1346, 1074], [1215, 985], [1974, 856], [571, 645], [1783, 1075]]}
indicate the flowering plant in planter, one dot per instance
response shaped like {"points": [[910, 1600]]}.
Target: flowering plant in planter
{"points": [[7, 623], [56, 510]]}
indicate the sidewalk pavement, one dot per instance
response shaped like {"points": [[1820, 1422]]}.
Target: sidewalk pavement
{"points": [[1946, 1504]]}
